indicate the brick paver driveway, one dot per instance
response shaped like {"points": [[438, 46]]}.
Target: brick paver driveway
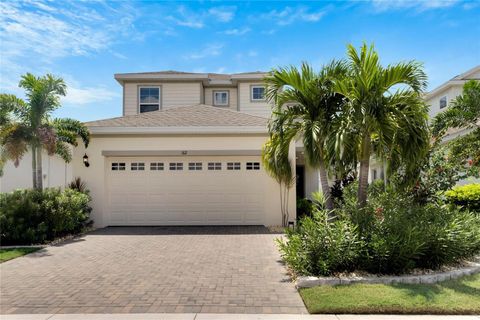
{"points": [[154, 269]]}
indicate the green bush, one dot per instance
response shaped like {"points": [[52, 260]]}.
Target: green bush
{"points": [[35, 216], [319, 246], [467, 196], [392, 235]]}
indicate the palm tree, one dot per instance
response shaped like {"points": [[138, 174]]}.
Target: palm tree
{"points": [[28, 124], [305, 106], [383, 114], [277, 164]]}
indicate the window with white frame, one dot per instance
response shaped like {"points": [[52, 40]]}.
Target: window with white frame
{"points": [[374, 174], [253, 165], [137, 166], [156, 166], [195, 166], [149, 99], [118, 166], [221, 98], [257, 93], [233, 166], [443, 102], [176, 166], [214, 166]]}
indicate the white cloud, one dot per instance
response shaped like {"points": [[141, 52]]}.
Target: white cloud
{"points": [[421, 5], [211, 50], [237, 32], [80, 96], [290, 15], [222, 14], [35, 34]]}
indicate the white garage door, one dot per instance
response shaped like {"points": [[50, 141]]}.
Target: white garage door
{"points": [[186, 190]]}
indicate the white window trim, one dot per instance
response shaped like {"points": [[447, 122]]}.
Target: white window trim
{"points": [[221, 104], [251, 93], [159, 96]]}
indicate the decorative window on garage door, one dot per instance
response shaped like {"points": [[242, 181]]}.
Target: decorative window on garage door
{"points": [[195, 166], [176, 166], [253, 165], [214, 166], [233, 166], [118, 166], [156, 166], [137, 166]]}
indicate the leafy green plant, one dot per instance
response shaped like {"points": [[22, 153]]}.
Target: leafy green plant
{"points": [[393, 234], [467, 196], [35, 216], [321, 246], [78, 184]]}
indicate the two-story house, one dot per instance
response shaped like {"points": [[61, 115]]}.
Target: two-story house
{"points": [[187, 151]]}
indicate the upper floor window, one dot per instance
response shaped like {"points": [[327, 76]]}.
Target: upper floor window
{"points": [[220, 98], [443, 102], [149, 99], [257, 93]]}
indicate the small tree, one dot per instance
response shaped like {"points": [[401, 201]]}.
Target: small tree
{"points": [[305, 106], [27, 125], [462, 114], [384, 114], [278, 165]]}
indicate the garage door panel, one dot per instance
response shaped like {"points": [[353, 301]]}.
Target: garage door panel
{"points": [[186, 197]]}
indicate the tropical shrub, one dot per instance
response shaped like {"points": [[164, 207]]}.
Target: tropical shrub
{"points": [[467, 196], [393, 234], [36, 216], [321, 246]]}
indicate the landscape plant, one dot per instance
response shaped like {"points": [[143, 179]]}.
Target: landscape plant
{"points": [[305, 106], [35, 216], [383, 115], [28, 125]]}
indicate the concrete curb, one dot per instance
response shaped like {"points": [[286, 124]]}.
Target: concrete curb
{"points": [[308, 282]]}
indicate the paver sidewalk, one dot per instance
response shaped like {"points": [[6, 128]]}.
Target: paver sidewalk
{"points": [[153, 270], [206, 316]]}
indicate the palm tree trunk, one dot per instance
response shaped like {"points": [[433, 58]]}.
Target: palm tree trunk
{"points": [[39, 169], [34, 167], [364, 169], [324, 183]]}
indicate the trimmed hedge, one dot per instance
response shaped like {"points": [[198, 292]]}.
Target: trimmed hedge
{"points": [[36, 216], [467, 196]]}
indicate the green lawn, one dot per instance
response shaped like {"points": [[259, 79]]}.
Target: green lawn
{"points": [[461, 296], [8, 254]]}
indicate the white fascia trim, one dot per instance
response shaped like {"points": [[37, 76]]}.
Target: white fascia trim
{"points": [[249, 76], [443, 87], [140, 76], [178, 130]]}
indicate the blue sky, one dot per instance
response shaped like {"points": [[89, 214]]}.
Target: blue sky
{"points": [[87, 42]]}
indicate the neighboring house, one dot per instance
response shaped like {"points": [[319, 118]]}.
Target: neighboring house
{"points": [[438, 100]]}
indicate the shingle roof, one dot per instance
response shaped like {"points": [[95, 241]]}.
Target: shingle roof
{"points": [[184, 116]]}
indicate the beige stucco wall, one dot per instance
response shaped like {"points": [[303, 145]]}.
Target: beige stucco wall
{"points": [[172, 94], [56, 173], [434, 101], [232, 97], [95, 175], [257, 108]]}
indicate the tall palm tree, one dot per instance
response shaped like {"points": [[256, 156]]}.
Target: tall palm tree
{"points": [[383, 114], [305, 106], [27, 125]]}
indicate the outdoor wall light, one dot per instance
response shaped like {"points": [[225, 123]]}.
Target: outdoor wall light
{"points": [[85, 161]]}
